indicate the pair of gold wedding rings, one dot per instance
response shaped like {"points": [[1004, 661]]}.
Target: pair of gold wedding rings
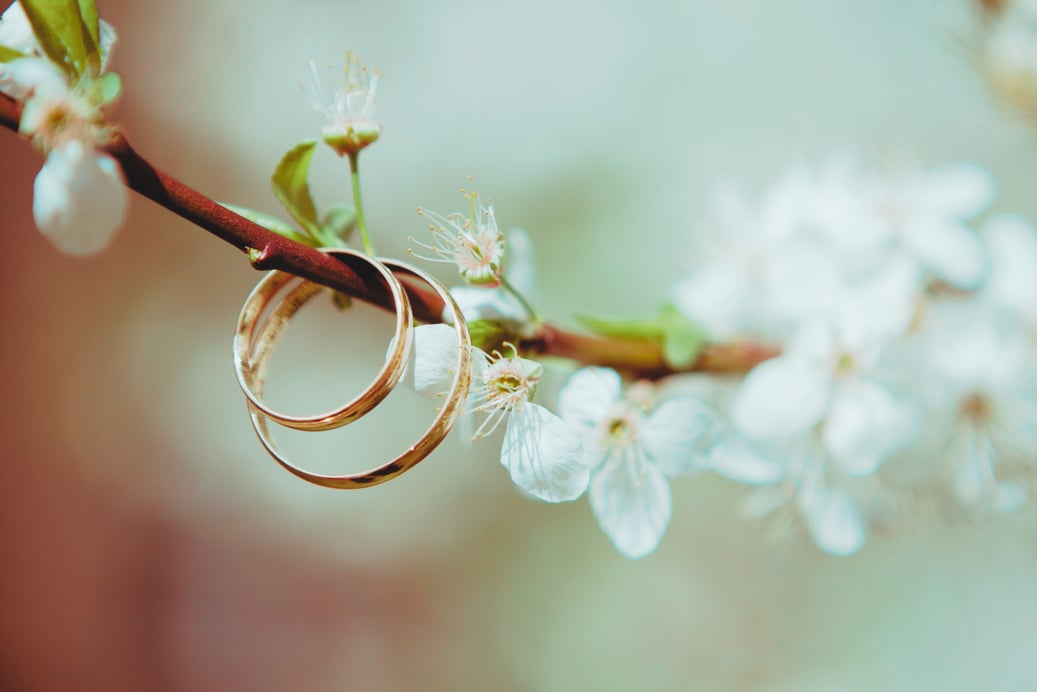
{"points": [[256, 336]]}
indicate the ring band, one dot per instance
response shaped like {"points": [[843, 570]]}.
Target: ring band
{"points": [[446, 415], [383, 383]]}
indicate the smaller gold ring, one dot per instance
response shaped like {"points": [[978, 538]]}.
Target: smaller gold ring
{"points": [[388, 376], [445, 419]]}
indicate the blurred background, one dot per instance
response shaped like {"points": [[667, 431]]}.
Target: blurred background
{"points": [[149, 543]]}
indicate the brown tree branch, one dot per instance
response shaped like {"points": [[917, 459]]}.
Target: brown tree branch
{"points": [[271, 251]]}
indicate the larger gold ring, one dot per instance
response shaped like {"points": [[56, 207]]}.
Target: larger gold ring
{"points": [[384, 382], [446, 416]]}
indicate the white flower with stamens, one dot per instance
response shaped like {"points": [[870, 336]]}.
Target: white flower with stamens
{"points": [[472, 243], [349, 111], [498, 303], [543, 454], [632, 446], [986, 366], [79, 195], [827, 379]]}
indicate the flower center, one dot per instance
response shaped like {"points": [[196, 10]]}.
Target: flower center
{"points": [[977, 407]]}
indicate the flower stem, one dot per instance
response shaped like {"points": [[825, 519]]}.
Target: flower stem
{"points": [[361, 224], [526, 305]]}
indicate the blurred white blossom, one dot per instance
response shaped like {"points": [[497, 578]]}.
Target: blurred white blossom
{"points": [[632, 446]]}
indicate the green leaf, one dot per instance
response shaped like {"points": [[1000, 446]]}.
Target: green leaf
{"points": [[63, 36], [290, 184], [92, 23], [339, 221], [271, 223], [680, 338], [487, 334], [9, 54], [107, 88]]}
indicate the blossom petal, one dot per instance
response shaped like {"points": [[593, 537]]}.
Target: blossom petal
{"points": [[544, 455], [865, 424], [736, 460], [833, 518], [25, 76], [1012, 246], [670, 433], [960, 190], [479, 303], [716, 297], [949, 249], [433, 361], [588, 396], [79, 198], [631, 501], [781, 397], [16, 31]]}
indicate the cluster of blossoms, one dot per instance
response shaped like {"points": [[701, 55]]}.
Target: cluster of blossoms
{"points": [[907, 365], [79, 196]]}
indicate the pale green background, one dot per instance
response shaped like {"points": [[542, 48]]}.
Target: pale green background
{"points": [[197, 564]]}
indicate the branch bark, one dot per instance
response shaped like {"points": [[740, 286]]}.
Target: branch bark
{"points": [[271, 251]]}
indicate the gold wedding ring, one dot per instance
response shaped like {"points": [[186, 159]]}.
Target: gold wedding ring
{"points": [[253, 348], [262, 297]]}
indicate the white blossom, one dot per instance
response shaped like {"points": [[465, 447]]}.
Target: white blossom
{"points": [[471, 242], [349, 112], [541, 452], [987, 399], [498, 303], [632, 446]]}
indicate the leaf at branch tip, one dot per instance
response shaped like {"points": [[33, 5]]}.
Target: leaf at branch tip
{"points": [[290, 184], [91, 22], [9, 54], [339, 222], [62, 34], [680, 338], [271, 223]]}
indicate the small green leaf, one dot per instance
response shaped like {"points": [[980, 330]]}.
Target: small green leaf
{"points": [[108, 87], [680, 338], [271, 223], [62, 34], [487, 334], [9, 54], [92, 23], [339, 222], [290, 184], [631, 329]]}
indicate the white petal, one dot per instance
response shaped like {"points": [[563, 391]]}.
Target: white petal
{"points": [[24, 76], [487, 304], [1012, 247], [865, 424], [716, 297], [107, 38], [588, 396], [631, 501], [736, 460], [433, 361], [79, 199], [15, 30], [880, 309], [949, 249], [520, 264], [670, 433], [833, 518], [544, 455], [961, 190], [781, 397]]}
